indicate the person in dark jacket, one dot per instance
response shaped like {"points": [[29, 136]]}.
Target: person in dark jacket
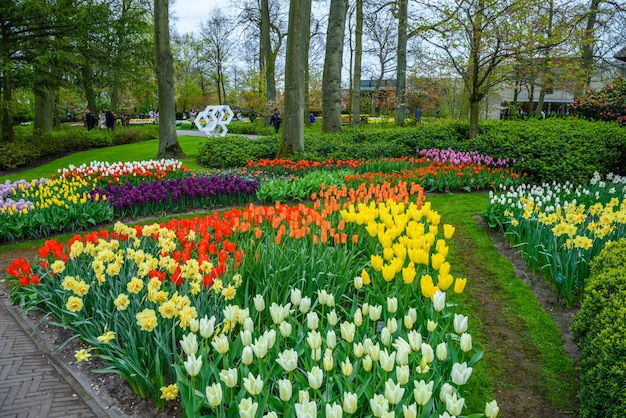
{"points": [[276, 119], [110, 119], [90, 120]]}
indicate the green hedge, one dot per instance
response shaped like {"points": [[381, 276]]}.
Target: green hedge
{"points": [[599, 329], [30, 147], [547, 150]]}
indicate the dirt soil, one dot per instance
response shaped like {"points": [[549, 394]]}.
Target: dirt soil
{"points": [[520, 390]]}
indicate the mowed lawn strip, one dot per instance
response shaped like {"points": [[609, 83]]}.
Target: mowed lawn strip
{"points": [[496, 299]]}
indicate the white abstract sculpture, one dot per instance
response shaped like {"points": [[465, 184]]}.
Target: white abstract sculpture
{"points": [[213, 120]]}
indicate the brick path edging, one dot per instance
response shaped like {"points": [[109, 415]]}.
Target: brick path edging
{"points": [[33, 383]]}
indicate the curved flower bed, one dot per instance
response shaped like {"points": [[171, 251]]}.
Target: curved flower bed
{"points": [[340, 308]]}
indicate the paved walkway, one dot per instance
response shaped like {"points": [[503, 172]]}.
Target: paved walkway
{"points": [[189, 132], [32, 382]]}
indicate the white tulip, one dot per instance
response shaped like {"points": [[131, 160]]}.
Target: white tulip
{"points": [[460, 323], [460, 373], [296, 297], [285, 329], [331, 339], [285, 390], [229, 377], [259, 303], [315, 377], [466, 342], [189, 344]]}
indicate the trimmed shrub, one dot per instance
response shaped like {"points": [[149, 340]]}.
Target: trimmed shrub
{"points": [[546, 150], [30, 147], [598, 329], [235, 151]]}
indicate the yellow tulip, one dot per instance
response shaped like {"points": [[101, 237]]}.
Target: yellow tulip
{"points": [[437, 260], [377, 262], [389, 272], [427, 286], [444, 281], [459, 285], [366, 277], [448, 231], [408, 274]]}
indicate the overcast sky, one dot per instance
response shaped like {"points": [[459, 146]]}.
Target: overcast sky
{"points": [[189, 13]]}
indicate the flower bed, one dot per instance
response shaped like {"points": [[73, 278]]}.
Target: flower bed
{"points": [[351, 313], [560, 228], [82, 197]]}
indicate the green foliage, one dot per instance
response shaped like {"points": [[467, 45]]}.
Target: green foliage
{"points": [[554, 149], [235, 151], [598, 330], [300, 188], [257, 127], [547, 150], [607, 104]]}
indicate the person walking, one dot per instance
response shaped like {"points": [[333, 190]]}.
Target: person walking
{"points": [[418, 116], [192, 117], [110, 119], [276, 120], [90, 120], [102, 119]]}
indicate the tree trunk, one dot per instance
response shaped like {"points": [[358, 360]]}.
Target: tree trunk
{"points": [[540, 101], [307, 78], [269, 61], [356, 78], [473, 120], [403, 7], [293, 115], [115, 92], [44, 108], [168, 141], [7, 133], [6, 108], [589, 41], [90, 94], [331, 79]]}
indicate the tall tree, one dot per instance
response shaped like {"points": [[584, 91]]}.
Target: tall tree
{"points": [[168, 140], [293, 115], [331, 81], [403, 38], [475, 36], [381, 42], [589, 39], [268, 58], [218, 49], [355, 91]]}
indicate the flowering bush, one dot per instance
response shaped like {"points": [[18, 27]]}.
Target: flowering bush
{"points": [[607, 104], [559, 228]]}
